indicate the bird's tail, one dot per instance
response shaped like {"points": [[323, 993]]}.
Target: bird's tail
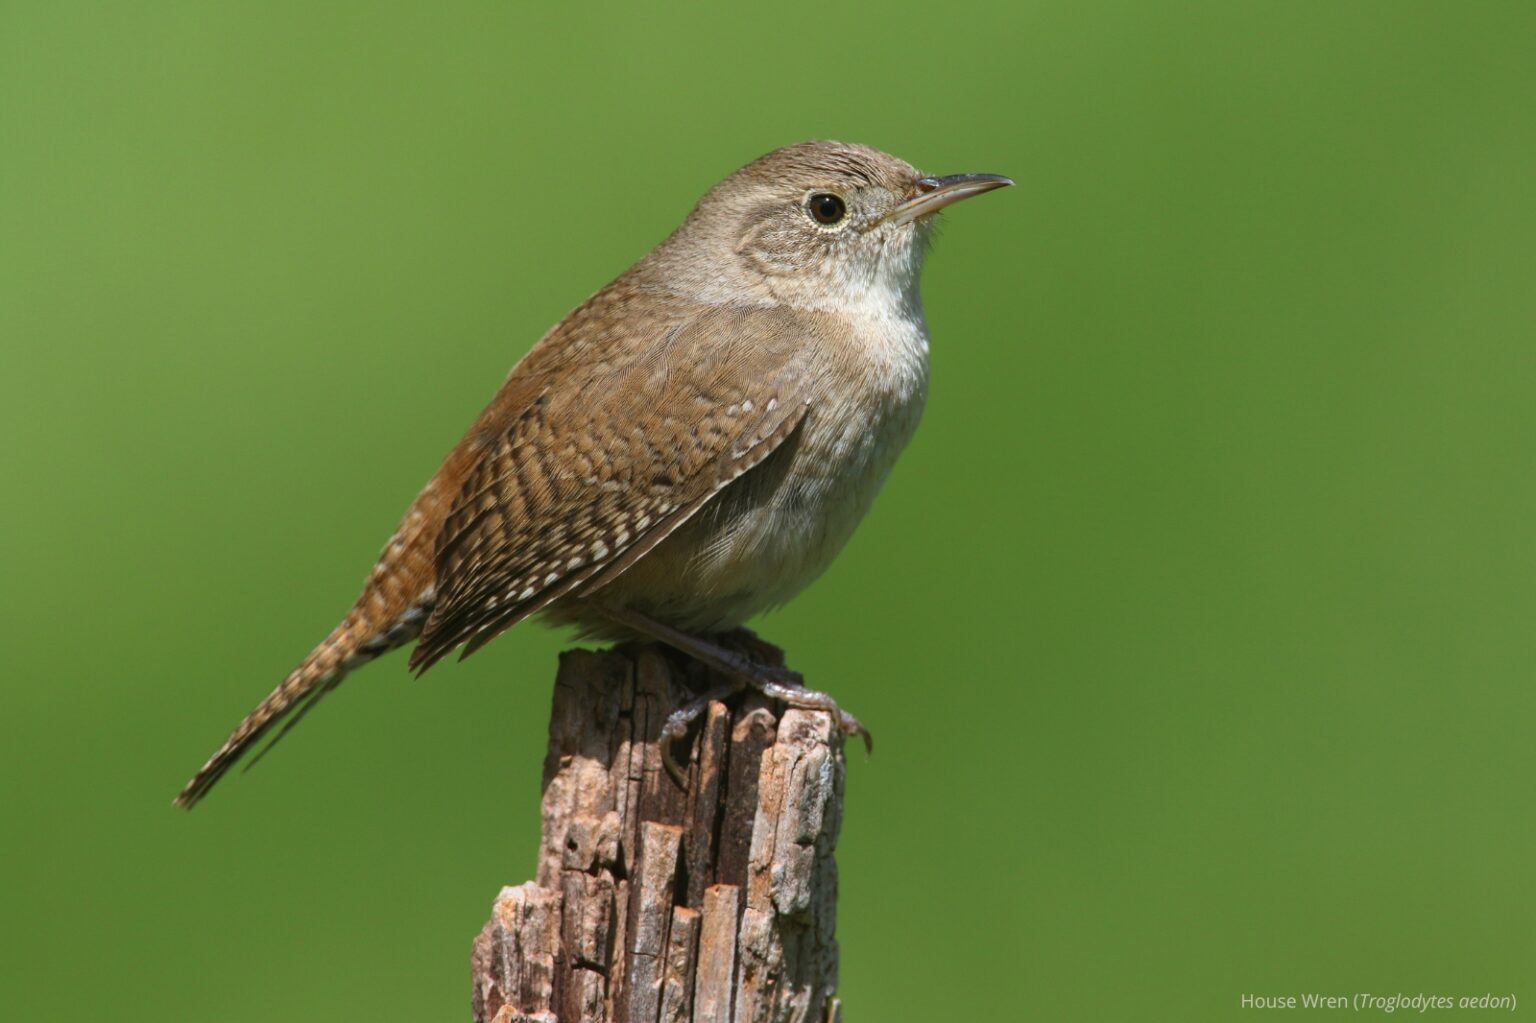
{"points": [[353, 643]]}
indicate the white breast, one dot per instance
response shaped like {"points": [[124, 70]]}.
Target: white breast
{"points": [[852, 434]]}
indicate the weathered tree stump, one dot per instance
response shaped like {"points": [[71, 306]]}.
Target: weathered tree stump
{"points": [[714, 904]]}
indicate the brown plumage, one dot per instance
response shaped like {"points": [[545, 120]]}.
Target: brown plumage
{"points": [[693, 443]]}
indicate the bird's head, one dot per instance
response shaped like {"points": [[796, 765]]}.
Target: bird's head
{"points": [[818, 225]]}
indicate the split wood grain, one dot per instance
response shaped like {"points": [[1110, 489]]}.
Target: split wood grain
{"points": [[658, 904]]}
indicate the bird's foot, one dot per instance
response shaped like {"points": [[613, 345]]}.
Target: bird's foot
{"points": [[728, 658], [776, 683], [797, 695], [765, 663], [676, 725]]}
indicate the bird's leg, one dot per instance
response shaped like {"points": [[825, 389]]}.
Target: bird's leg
{"points": [[772, 681], [760, 652]]}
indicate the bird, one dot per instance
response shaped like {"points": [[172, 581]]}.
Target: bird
{"points": [[688, 447]]}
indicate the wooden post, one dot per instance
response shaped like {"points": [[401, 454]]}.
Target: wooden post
{"points": [[712, 905]]}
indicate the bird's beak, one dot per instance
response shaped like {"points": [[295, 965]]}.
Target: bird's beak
{"points": [[930, 195]]}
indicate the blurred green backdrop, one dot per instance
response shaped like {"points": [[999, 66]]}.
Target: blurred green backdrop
{"points": [[1195, 628]]}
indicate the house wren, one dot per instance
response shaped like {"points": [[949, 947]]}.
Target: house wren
{"points": [[691, 445]]}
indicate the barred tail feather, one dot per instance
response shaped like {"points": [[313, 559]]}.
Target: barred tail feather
{"points": [[349, 646]]}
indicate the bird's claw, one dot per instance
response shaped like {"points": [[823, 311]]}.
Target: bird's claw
{"points": [[669, 761], [853, 726], [745, 660]]}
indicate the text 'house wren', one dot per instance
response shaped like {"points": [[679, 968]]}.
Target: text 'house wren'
{"points": [[690, 446]]}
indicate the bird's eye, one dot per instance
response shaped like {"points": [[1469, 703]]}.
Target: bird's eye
{"points": [[826, 208]]}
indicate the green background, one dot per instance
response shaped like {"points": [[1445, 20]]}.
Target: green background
{"points": [[1195, 627]]}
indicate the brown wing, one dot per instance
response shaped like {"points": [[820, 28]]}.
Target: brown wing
{"points": [[605, 461]]}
